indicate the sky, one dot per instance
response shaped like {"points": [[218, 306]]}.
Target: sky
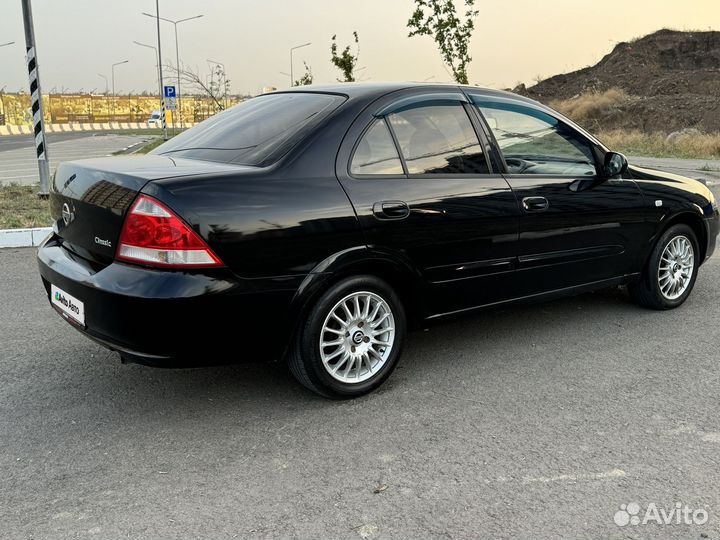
{"points": [[514, 41]]}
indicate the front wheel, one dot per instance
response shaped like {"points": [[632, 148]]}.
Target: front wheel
{"points": [[670, 274], [351, 339]]}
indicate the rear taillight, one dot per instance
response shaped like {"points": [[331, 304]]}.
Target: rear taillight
{"points": [[153, 235]]}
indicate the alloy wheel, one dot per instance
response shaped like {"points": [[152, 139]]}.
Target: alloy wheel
{"points": [[357, 337], [677, 264]]}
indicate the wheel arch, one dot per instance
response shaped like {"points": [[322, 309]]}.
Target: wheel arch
{"points": [[391, 268], [695, 221], [687, 217]]}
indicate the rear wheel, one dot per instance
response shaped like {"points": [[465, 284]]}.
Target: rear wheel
{"points": [[670, 274], [351, 340]]}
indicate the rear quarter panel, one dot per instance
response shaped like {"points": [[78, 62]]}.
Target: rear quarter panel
{"points": [[269, 225], [280, 221]]}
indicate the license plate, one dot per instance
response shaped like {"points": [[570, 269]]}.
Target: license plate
{"points": [[69, 305]]}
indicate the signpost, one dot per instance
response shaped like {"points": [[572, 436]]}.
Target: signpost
{"points": [[170, 99]]}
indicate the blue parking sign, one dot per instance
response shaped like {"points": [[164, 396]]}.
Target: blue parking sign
{"points": [[169, 91]]}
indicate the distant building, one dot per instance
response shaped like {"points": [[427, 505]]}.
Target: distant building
{"points": [[268, 89]]}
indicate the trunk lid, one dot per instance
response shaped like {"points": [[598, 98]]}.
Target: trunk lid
{"points": [[89, 198]]}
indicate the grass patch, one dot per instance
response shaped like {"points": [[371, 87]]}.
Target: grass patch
{"points": [[595, 109], [151, 145], [590, 106], [658, 144], [139, 132], [20, 207]]}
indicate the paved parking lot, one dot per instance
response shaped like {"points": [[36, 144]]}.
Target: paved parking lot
{"points": [[530, 422], [18, 161]]}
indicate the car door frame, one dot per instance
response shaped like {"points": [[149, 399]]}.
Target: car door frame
{"points": [[459, 272], [632, 254]]}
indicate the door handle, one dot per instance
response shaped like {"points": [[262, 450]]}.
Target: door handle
{"points": [[385, 210], [535, 204]]}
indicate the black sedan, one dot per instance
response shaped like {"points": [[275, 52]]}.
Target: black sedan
{"points": [[316, 225]]}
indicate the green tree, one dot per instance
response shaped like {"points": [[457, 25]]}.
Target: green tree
{"points": [[438, 18], [345, 61], [307, 77]]}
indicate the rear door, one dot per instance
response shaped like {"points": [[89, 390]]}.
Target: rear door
{"points": [[415, 167], [575, 228]]}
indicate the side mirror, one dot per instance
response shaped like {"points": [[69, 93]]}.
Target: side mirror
{"points": [[615, 164]]}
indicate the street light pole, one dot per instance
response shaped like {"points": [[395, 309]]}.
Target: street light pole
{"points": [[6, 44], [113, 85], [177, 58], [160, 90], [224, 80], [292, 81], [162, 97], [106, 82]]}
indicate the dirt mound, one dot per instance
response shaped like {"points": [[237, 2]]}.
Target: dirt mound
{"points": [[671, 80]]}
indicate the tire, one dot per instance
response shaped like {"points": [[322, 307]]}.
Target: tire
{"points": [[657, 290], [354, 361]]}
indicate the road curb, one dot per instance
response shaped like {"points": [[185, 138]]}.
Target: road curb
{"points": [[13, 238], [11, 131]]}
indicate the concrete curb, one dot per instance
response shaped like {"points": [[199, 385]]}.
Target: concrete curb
{"points": [[13, 238], [8, 131]]}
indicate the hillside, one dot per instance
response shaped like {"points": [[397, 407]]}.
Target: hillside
{"points": [[669, 80]]}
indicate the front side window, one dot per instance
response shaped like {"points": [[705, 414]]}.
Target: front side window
{"points": [[533, 142], [438, 138], [376, 152], [255, 132]]}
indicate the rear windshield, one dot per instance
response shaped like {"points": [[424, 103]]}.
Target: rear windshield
{"points": [[256, 132]]}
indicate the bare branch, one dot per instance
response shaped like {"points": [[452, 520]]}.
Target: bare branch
{"points": [[193, 79]]}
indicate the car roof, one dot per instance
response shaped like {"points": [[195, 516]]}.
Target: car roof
{"points": [[377, 89], [374, 90]]}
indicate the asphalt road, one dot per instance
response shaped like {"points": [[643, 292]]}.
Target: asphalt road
{"points": [[18, 161], [526, 423], [707, 170], [14, 142]]}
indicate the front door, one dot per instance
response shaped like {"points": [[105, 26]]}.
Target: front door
{"points": [[575, 227], [417, 174]]}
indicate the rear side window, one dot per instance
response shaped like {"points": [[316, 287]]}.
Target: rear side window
{"points": [[376, 152], [438, 138], [257, 132]]}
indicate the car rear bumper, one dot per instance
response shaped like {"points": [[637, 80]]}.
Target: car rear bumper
{"points": [[161, 317]]}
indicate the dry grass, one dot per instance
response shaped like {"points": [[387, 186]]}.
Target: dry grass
{"points": [[637, 143], [21, 207], [590, 106], [593, 110]]}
